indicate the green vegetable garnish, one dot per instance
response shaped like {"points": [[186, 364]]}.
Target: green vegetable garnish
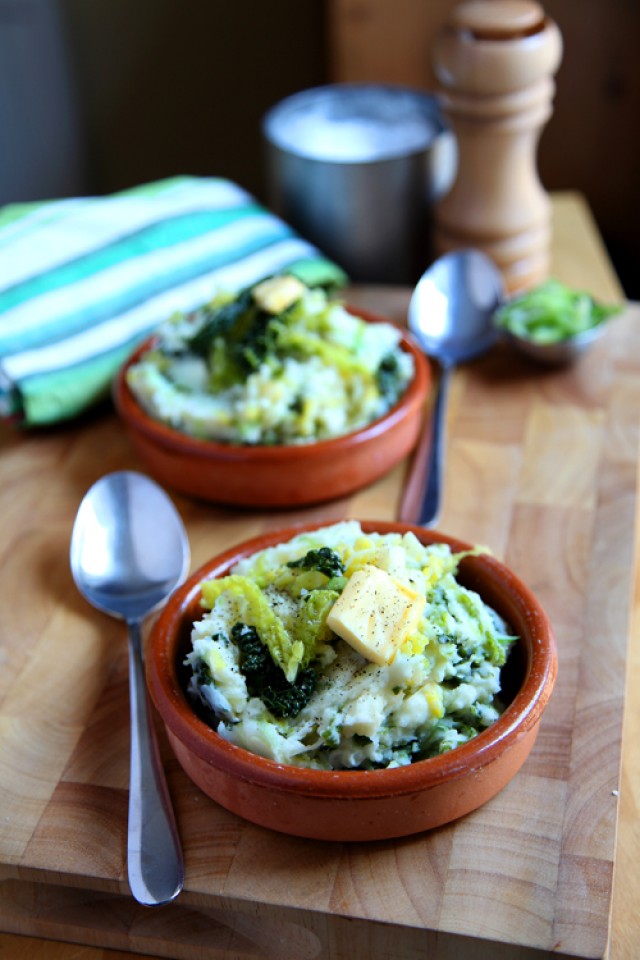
{"points": [[216, 321], [324, 560], [553, 312], [289, 644], [389, 378], [234, 338], [267, 681], [286, 653]]}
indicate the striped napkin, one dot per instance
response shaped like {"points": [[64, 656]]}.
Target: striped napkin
{"points": [[84, 280]]}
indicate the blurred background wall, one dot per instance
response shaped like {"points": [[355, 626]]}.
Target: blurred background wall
{"points": [[99, 95]]}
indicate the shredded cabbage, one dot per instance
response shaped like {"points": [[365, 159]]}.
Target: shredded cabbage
{"points": [[552, 312]]}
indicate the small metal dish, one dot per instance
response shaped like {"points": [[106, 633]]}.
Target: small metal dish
{"points": [[559, 353]]}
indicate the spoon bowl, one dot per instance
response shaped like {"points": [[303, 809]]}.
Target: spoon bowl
{"points": [[129, 551], [451, 317], [129, 548]]}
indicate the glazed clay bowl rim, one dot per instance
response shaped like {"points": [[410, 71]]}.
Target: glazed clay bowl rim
{"points": [[171, 438], [482, 572]]}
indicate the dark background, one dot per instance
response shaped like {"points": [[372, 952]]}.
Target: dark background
{"points": [[100, 95]]}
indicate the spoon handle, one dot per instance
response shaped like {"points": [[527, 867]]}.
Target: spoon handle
{"points": [[429, 506], [154, 854]]}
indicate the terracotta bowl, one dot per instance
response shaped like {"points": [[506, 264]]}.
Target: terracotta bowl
{"points": [[359, 805], [282, 475]]}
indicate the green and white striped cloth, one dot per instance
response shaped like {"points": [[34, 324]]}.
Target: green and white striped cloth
{"points": [[83, 280]]}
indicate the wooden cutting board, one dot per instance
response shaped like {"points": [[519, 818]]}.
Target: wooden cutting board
{"points": [[542, 468]]}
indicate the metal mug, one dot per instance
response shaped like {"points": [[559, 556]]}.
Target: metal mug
{"points": [[356, 169]]}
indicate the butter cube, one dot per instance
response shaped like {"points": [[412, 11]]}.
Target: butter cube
{"points": [[375, 613], [277, 293]]}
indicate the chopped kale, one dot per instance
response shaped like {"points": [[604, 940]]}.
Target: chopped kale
{"points": [[259, 341], [254, 656], [266, 680], [325, 560], [202, 673], [218, 321], [250, 334], [360, 740], [288, 699], [389, 377]]}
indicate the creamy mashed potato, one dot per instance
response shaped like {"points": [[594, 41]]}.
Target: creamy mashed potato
{"points": [[273, 678], [278, 363]]}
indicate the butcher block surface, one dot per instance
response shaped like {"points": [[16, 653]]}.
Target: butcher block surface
{"points": [[542, 467]]}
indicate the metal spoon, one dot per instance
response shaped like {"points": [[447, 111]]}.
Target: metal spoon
{"points": [[129, 550], [451, 316]]}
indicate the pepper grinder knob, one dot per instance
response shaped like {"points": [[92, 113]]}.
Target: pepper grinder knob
{"points": [[495, 61]]}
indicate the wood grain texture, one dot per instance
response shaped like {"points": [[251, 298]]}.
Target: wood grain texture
{"points": [[543, 468]]}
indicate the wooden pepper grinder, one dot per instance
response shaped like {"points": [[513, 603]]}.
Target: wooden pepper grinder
{"points": [[495, 61]]}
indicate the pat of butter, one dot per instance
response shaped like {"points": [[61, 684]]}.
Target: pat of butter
{"points": [[277, 293], [375, 613]]}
